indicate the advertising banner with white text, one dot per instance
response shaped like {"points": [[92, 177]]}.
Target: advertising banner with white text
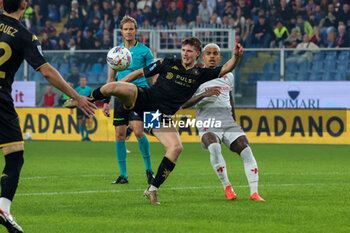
{"points": [[301, 95]]}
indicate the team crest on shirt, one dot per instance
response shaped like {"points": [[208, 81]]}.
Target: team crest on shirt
{"points": [[40, 50], [169, 75], [195, 71]]}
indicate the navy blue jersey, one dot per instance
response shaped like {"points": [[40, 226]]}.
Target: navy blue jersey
{"points": [[175, 84], [16, 44]]}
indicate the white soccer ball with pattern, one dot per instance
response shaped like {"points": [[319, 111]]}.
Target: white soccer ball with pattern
{"points": [[119, 58]]}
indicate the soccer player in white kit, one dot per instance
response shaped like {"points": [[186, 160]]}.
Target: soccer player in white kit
{"points": [[213, 99]]}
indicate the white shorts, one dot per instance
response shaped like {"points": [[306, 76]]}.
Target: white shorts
{"points": [[226, 135]]}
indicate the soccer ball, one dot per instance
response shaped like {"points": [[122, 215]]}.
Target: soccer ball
{"points": [[28, 136], [119, 58]]}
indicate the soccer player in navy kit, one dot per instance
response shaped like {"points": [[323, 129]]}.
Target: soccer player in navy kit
{"points": [[141, 57], [16, 44], [178, 80]]}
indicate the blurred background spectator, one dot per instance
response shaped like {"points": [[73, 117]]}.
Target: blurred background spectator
{"points": [[50, 98], [79, 17]]}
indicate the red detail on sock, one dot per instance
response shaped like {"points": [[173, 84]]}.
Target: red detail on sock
{"points": [[220, 169], [255, 170]]}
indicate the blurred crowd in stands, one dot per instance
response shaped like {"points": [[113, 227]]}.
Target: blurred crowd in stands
{"points": [[89, 24]]}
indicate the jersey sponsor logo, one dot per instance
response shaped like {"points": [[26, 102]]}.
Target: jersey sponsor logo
{"points": [[184, 81], [40, 50], [221, 88], [8, 30], [175, 68], [151, 120]]}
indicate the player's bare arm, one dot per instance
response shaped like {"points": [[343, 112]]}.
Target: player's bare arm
{"points": [[233, 62], [133, 76], [54, 77], [194, 100]]}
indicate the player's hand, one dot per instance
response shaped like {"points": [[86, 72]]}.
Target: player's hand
{"points": [[238, 50], [85, 104], [212, 91], [106, 108]]}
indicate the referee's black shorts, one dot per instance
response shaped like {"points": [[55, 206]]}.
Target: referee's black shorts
{"points": [[123, 116], [10, 130]]}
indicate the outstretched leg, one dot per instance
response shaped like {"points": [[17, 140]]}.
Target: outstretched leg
{"points": [[126, 92]]}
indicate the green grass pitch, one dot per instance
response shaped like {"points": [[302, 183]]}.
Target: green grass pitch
{"points": [[66, 187]]}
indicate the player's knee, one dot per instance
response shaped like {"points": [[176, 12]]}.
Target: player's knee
{"points": [[239, 144], [138, 133], [209, 138], [177, 149], [120, 136], [109, 88]]}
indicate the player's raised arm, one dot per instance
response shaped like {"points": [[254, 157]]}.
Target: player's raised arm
{"points": [[133, 76], [54, 77], [148, 71], [194, 100], [233, 62]]}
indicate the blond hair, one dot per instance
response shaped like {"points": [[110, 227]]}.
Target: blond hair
{"points": [[128, 19], [212, 46]]}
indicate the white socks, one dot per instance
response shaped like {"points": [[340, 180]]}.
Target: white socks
{"points": [[5, 204], [251, 169], [218, 163]]}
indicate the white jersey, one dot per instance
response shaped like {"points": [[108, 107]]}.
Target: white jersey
{"points": [[217, 107]]}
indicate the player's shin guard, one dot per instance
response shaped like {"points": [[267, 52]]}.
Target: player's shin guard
{"points": [[164, 169], [251, 169], [10, 175], [218, 163], [145, 151], [120, 148]]}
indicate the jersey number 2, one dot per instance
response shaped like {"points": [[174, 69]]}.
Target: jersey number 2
{"points": [[4, 58]]}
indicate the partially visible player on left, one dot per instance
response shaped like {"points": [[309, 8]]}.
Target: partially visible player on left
{"points": [[17, 44]]}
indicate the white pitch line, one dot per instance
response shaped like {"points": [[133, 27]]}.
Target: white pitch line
{"points": [[189, 174], [174, 188]]}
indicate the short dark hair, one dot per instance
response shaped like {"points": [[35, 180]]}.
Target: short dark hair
{"points": [[11, 6], [193, 41]]}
